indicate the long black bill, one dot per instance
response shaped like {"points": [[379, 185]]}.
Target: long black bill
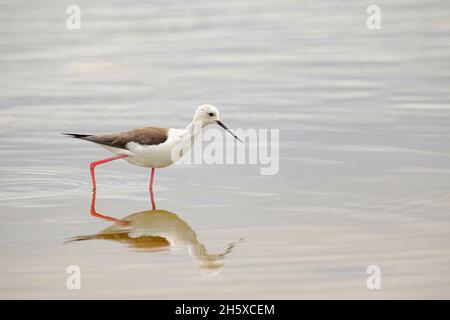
{"points": [[225, 127]]}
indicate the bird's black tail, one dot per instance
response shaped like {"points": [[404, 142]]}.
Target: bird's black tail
{"points": [[77, 136]]}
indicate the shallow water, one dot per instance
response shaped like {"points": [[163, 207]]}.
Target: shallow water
{"points": [[364, 173]]}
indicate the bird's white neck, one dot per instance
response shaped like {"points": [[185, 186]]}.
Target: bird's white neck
{"points": [[193, 130], [187, 138]]}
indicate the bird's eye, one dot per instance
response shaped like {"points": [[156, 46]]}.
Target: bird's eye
{"points": [[211, 114]]}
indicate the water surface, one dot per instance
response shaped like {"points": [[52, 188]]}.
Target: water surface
{"points": [[364, 150]]}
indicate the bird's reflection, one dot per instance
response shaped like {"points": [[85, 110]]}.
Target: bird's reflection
{"points": [[155, 230]]}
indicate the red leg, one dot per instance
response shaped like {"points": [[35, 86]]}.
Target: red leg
{"points": [[98, 215], [96, 163], [151, 189]]}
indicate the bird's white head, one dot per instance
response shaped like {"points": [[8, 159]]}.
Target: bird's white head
{"points": [[207, 114]]}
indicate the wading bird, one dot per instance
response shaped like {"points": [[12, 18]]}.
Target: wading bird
{"points": [[153, 147]]}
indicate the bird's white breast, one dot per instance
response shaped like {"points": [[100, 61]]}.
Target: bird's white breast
{"points": [[155, 156]]}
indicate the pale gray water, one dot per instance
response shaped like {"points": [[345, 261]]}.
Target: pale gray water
{"points": [[364, 119]]}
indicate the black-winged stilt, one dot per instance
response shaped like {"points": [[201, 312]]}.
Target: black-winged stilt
{"points": [[153, 147]]}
